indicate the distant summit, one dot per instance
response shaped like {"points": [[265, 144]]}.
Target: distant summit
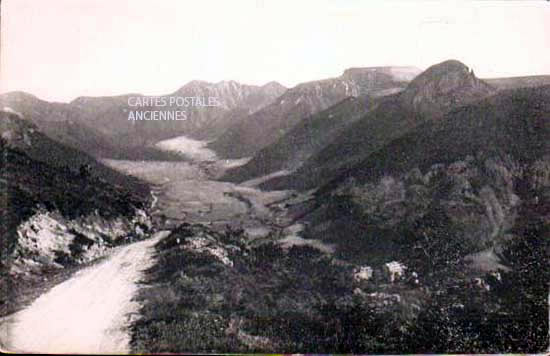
{"points": [[232, 94], [443, 86], [274, 87], [359, 81]]}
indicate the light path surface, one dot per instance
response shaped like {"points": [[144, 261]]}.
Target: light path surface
{"points": [[89, 313]]}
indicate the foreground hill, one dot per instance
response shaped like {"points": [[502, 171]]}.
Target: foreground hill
{"points": [[437, 90], [239, 296], [266, 126], [58, 208]]}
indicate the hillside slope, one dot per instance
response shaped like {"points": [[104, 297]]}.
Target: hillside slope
{"points": [[58, 121], [468, 174], [305, 139], [22, 134], [58, 208]]}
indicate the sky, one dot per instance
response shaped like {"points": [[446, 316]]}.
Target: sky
{"points": [[61, 49]]}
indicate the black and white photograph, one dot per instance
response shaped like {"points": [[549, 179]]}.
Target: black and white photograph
{"points": [[275, 177]]}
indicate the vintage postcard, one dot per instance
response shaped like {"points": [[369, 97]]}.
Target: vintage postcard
{"points": [[274, 176]]}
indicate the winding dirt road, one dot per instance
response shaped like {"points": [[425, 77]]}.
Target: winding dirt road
{"points": [[88, 313]]}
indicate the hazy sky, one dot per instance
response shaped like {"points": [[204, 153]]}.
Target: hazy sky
{"points": [[61, 49]]}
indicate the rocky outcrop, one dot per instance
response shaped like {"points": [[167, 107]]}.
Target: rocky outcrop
{"points": [[362, 273], [353, 82], [443, 86], [50, 240], [209, 246], [394, 271], [371, 80]]}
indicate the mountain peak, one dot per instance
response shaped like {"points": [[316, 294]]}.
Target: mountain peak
{"points": [[438, 71], [450, 64], [450, 73], [445, 85], [232, 94], [274, 85]]}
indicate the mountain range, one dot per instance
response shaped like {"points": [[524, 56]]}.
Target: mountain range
{"points": [[266, 126], [437, 90], [100, 125]]}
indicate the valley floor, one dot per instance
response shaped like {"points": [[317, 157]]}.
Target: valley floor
{"points": [[189, 191]]}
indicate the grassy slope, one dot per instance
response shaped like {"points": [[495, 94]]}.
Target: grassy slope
{"points": [[269, 300], [389, 120], [370, 219]]}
